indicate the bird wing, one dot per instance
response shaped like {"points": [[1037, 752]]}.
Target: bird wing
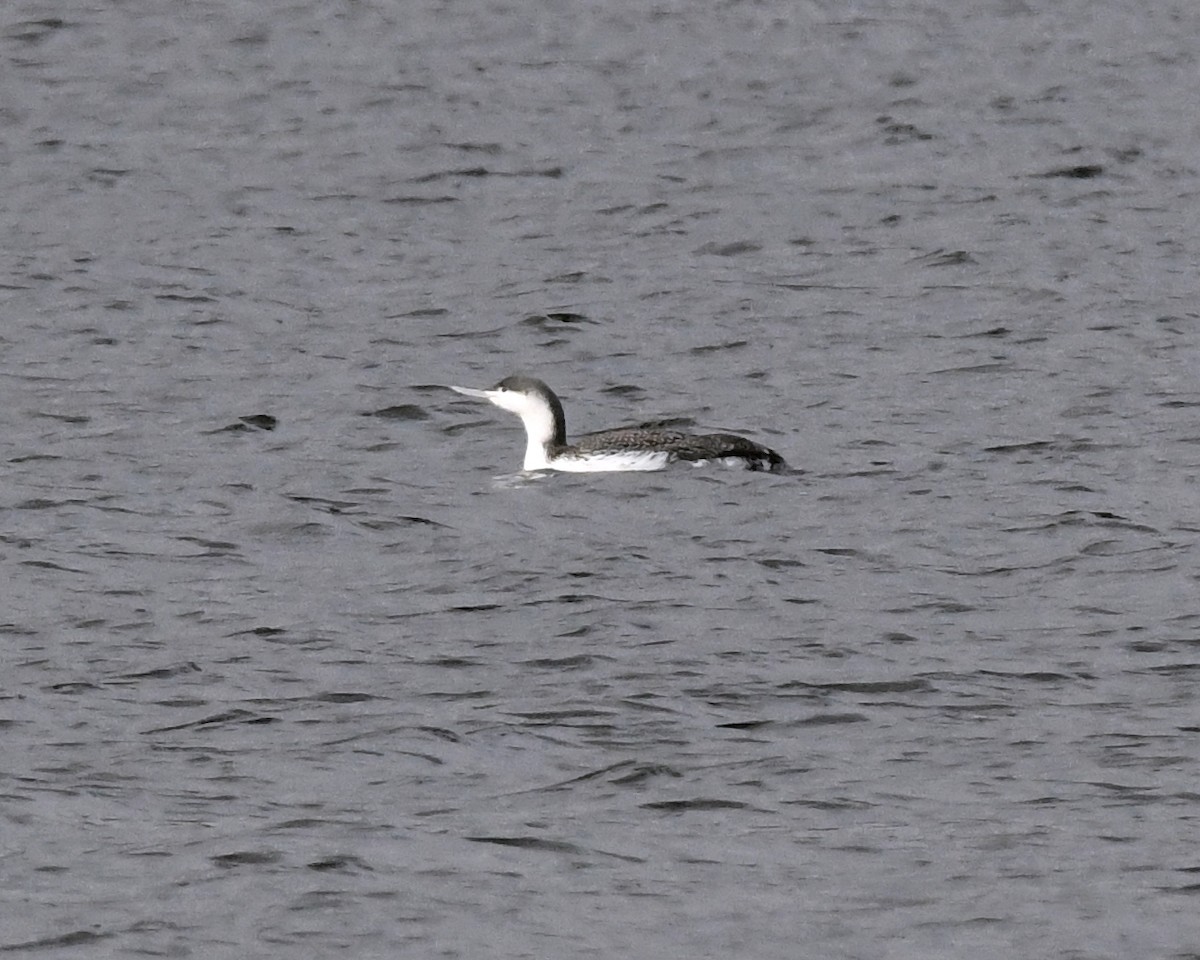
{"points": [[631, 438], [682, 446]]}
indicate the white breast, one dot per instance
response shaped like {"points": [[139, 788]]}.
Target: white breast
{"points": [[607, 462]]}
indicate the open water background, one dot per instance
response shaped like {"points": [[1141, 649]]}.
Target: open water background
{"points": [[346, 688]]}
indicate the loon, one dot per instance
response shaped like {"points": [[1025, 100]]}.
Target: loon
{"points": [[627, 448]]}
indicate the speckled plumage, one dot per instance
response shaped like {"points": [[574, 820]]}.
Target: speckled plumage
{"points": [[680, 445]]}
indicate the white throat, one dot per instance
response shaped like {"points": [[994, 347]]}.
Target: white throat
{"points": [[538, 419]]}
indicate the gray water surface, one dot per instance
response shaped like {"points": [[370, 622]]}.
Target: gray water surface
{"points": [[294, 662]]}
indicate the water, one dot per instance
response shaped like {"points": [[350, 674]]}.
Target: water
{"points": [[346, 686]]}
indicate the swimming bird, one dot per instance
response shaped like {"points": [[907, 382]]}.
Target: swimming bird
{"points": [[644, 447]]}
